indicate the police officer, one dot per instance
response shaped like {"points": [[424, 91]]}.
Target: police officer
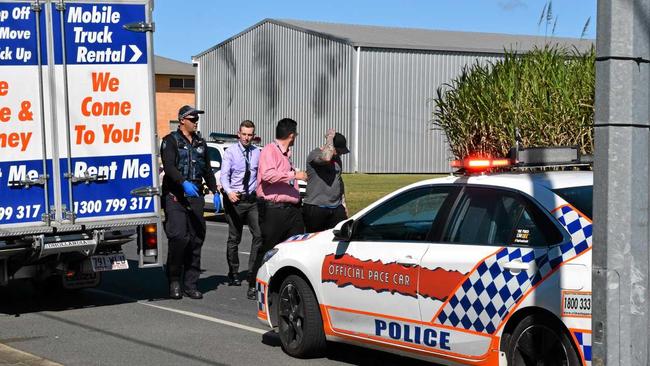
{"points": [[187, 165]]}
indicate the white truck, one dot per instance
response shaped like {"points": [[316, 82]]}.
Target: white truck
{"points": [[77, 139]]}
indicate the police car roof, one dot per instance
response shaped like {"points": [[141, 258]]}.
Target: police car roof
{"points": [[527, 182], [522, 180]]}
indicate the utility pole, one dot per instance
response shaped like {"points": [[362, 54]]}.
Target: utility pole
{"points": [[621, 234]]}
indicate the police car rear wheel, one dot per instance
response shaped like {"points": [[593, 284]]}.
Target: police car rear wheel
{"points": [[299, 321], [539, 341]]}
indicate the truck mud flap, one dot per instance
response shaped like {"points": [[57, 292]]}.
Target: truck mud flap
{"points": [[4, 278]]}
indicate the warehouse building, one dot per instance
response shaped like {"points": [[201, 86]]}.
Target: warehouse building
{"points": [[373, 84]]}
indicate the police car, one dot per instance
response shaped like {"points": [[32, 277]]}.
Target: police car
{"points": [[217, 145], [488, 267]]}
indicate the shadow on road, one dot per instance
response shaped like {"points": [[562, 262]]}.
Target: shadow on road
{"points": [[134, 284], [351, 354], [118, 287]]}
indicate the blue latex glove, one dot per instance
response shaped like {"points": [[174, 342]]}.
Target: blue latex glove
{"points": [[190, 189], [217, 202]]}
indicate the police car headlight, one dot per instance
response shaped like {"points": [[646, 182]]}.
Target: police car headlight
{"points": [[269, 254]]}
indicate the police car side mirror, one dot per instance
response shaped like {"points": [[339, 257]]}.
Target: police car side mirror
{"points": [[215, 164], [343, 230]]}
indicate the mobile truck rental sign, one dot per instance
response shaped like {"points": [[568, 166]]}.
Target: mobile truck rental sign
{"points": [[21, 132], [100, 135], [109, 108]]}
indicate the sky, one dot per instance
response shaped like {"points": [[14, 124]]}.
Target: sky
{"points": [[185, 28]]}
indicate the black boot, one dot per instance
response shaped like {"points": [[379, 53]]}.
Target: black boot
{"points": [[175, 290], [233, 280], [194, 294], [251, 294]]}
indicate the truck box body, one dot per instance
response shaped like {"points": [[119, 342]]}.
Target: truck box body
{"points": [[77, 131]]}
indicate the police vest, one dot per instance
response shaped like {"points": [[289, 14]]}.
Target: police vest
{"points": [[191, 157]]}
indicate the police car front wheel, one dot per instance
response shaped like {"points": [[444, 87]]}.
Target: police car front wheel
{"points": [[299, 320], [537, 340]]}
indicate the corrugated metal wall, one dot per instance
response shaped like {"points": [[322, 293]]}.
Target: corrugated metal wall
{"points": [[397, 88], [274, 72]]}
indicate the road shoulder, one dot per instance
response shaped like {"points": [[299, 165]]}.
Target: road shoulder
{"points": [[11, 356]]}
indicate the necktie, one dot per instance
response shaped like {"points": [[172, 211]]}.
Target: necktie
{"points": [[247, 174]]}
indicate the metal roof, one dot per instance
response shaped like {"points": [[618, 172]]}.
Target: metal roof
{"points": [[370, 36], [167, 66]]}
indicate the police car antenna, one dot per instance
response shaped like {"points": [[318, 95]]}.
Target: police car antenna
{"points": [[518, 144]]}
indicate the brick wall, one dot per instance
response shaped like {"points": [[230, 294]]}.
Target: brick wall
{"points": [[168, 101]]}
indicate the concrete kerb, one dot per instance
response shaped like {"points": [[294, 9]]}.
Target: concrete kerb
{"points": [[13, 357]]}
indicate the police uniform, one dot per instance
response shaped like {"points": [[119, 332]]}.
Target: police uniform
{"points": [[184, 222]]}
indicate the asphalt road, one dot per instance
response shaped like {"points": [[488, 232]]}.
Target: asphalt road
{"points": [[128, 320]]}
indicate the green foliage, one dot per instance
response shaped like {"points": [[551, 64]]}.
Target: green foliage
{"points": [[547, 93]]}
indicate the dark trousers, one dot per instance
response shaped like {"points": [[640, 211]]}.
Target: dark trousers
{"points": [[237, 214], [185, 229], [320, 218], [278, 224]]}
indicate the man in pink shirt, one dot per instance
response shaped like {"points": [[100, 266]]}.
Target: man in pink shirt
{"points": [[277, 189]]}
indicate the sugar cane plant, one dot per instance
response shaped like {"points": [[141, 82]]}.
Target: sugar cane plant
{"points": [[548, 94]]}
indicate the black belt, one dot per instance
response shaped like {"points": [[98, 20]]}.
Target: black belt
{"points": [[184, 196], [250, 197], [270, 204]]}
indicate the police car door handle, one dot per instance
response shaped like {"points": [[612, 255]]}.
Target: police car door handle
{"points": [[516, 266], [407, 261]]}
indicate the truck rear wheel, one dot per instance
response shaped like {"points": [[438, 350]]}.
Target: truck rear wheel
{"points": [[299, 320]]}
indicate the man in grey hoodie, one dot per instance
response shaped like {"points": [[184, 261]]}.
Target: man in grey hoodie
{"points": [[324, 202]]}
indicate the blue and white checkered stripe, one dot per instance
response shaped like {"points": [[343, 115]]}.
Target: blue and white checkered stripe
{"points": [[300, 237], [261, 291], [486, 296], [577, 225], [584, 342]]}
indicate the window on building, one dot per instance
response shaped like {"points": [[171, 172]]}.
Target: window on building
{"points": [[181, 83]]}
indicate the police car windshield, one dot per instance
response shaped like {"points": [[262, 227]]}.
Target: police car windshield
{"points": [[214, 154], [581, 198]]}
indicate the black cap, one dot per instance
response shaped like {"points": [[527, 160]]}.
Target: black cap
{"points": [[186, 110], [340, 144]]}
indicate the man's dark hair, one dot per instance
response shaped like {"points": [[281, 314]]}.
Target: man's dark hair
{"points": [[247, 124], [285, 127]]}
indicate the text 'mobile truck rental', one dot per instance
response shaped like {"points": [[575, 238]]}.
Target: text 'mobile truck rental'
{"points": [[78, 166]]}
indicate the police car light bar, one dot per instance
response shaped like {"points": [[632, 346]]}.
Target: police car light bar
{"points": [[480, 164], [216, 136], [548, 156], [223, 137]]}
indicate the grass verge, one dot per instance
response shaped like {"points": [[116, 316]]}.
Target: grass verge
{"points": [[363, 189]]}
